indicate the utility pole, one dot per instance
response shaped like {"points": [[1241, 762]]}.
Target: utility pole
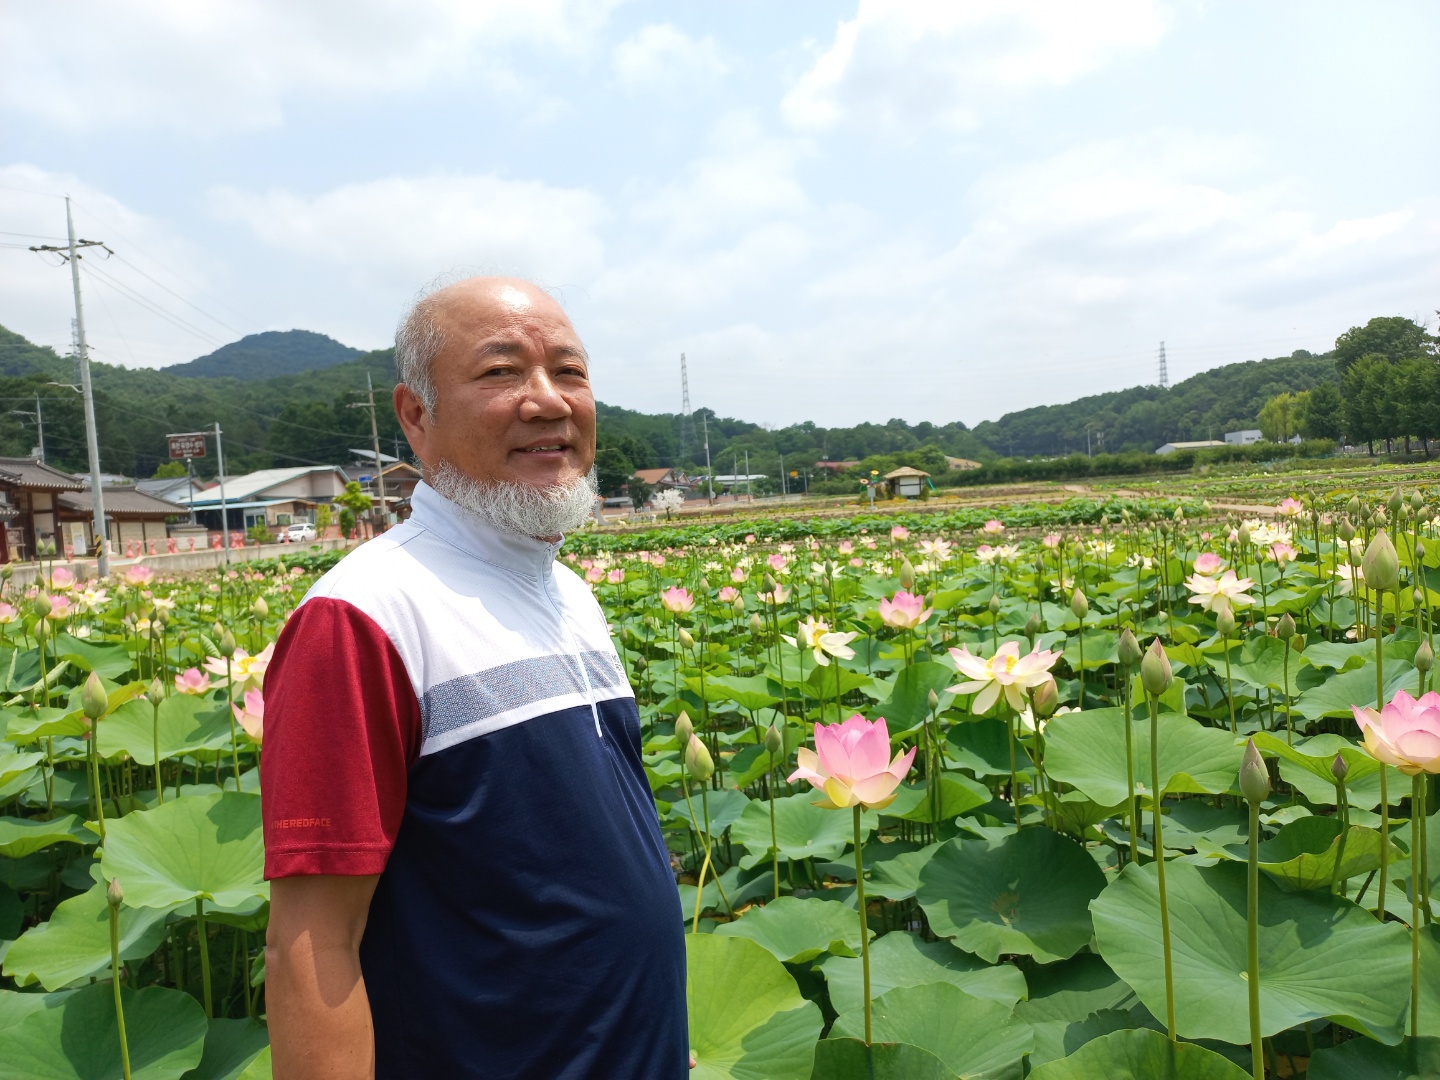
{"points": [[1164, 371], [749, 484], [369, 403], [709, 475], [224, 506], [687, 418], [97, 494], [784, 488], [39, 418]]}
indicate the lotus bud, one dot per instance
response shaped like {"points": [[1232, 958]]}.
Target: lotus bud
{"points": [[1418, 595], [160, 618], [685, 639], [1395, 502], [704, 585], [114, 894], [1045, 699], [649, 622], [42, 630], [1032, 626], [1419, 550], [260, 607], [640, 663], [933, 700], [1155, 674], [1353, 506], [1225, 623], [43, 606], [994, 605], [1079, 605], [1339, 769], [1254, 776], [756, 626], [774, 741], [1424, 657], [738, 604], [683, 729], [1297, 643], [1243, 535], [1039, 567], [1164, 528], [1346, 531], [93, 702], [6, 572], [155, 692], [1416, 501], [1285, 628], [907, 575], [1128, 649], [226, 644], [698, 762], [1381, 565]]}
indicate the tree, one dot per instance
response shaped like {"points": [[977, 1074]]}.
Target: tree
{"points": [[613, 470], [352, 503], [1365, 386], [1277, 418], [1391, 337], [170, 470], [1323, 415]]}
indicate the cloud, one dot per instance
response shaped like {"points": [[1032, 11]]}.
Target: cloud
{"points": [[138, 305], [209, 67], [659, 55], [389, 236], [902, 64]]}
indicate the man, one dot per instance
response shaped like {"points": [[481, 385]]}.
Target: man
{"points": [[468, 877]]}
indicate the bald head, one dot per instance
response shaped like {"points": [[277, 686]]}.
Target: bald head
{"points": [[471, 309]]}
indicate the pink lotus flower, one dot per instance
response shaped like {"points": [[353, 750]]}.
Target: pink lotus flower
{"points": [[1225, 593], [777, 562], [594, 575], [737, 575], [59, 608], [851, 764], [728, 594], [1208, 563], [749, 538], [616, 576], [779, 596], [1281, 553], [252, 716], [993, 528], [244, 668], [857, 562], [1290, 508], [1406, 733], [899, 532], [138, 574], [905, 612], [1006, 674], [61, 579], [846, 547], [1051, 541], [192, 681], [657, 561], [676, 600], [8, 614]]}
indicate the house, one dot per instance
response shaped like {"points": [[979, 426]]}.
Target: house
{"points": [[174, 488], [1202, 444], [29, 506], [271, 497], [834, 467], [662, 479], [133, 516], [906, 482], [401, 479], [362, 464], [963, 464], [1243, 438]]}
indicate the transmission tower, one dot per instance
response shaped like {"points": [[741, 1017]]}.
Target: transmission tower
{"points": [[687, 417], [1164, 371]]}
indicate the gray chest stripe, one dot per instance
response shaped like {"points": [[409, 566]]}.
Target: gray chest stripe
{"points": [[506, 687]]}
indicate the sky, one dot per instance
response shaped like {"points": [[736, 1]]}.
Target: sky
{"points": [[839, 211]]}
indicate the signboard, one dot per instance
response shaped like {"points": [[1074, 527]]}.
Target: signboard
{"points": [[186, 446]]}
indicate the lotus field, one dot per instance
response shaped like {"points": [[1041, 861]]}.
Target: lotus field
{"points": [[1136, 792]]}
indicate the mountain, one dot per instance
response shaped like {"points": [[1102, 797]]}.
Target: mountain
{"points": [[1204, 406], [263, 356]]}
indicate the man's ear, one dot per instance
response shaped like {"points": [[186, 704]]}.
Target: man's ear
{"points": [[414, 421]]}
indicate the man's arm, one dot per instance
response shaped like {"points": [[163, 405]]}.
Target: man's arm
{"points": [[316, 1005]]}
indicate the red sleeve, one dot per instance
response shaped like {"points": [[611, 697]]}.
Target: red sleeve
{"points": [[342, 727]]}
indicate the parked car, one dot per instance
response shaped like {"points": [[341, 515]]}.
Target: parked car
{"points": [[299, 533]]}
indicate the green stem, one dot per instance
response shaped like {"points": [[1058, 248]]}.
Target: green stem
{"points": [[1230, 691], [234, 734], [1384, 769], [115, 984], [1130, 801], [774, 843], [864, 928], [1160, 864], [1252, 943], [1285, 694], [203, 935], [1342, 804], [1416, 795], [159, 786], [1014, 774]]}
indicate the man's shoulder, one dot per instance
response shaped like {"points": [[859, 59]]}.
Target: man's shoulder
{"points": [[385, 566]]}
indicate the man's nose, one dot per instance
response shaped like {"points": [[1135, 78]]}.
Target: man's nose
{"points": [[542, 398]]}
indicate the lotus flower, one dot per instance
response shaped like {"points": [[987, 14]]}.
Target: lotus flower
{"points": [[993, 528], [192, 681], [1208, 563], [252, 716], [616, 576], [899, 532], [1406, 733], [816, 634], [1290, 508], [851, 764], [138, 574], [677, 600], [1006, 673], [1051, 541], [243, 667], [779, 596], [8, 614], [1225, 593], [61, 579], [778, 562], [905, 611], [727, 595]]}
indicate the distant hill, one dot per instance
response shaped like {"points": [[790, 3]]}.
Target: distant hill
{"points": [[1204, 406], [264, 356]]}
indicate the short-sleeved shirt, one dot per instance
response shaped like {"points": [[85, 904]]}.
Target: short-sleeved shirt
{"points": [[446, 709]]}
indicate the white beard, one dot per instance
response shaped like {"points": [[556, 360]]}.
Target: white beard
{"points": [[540, 512]]}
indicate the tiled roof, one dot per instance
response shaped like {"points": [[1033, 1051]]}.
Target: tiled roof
{"points": [[125, 502], [29, 473]]}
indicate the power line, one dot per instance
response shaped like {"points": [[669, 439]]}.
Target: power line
{"points": [[177, 296], [152, 307]]}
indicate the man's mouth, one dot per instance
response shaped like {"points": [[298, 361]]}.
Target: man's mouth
{"points": [[544, 448]]}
